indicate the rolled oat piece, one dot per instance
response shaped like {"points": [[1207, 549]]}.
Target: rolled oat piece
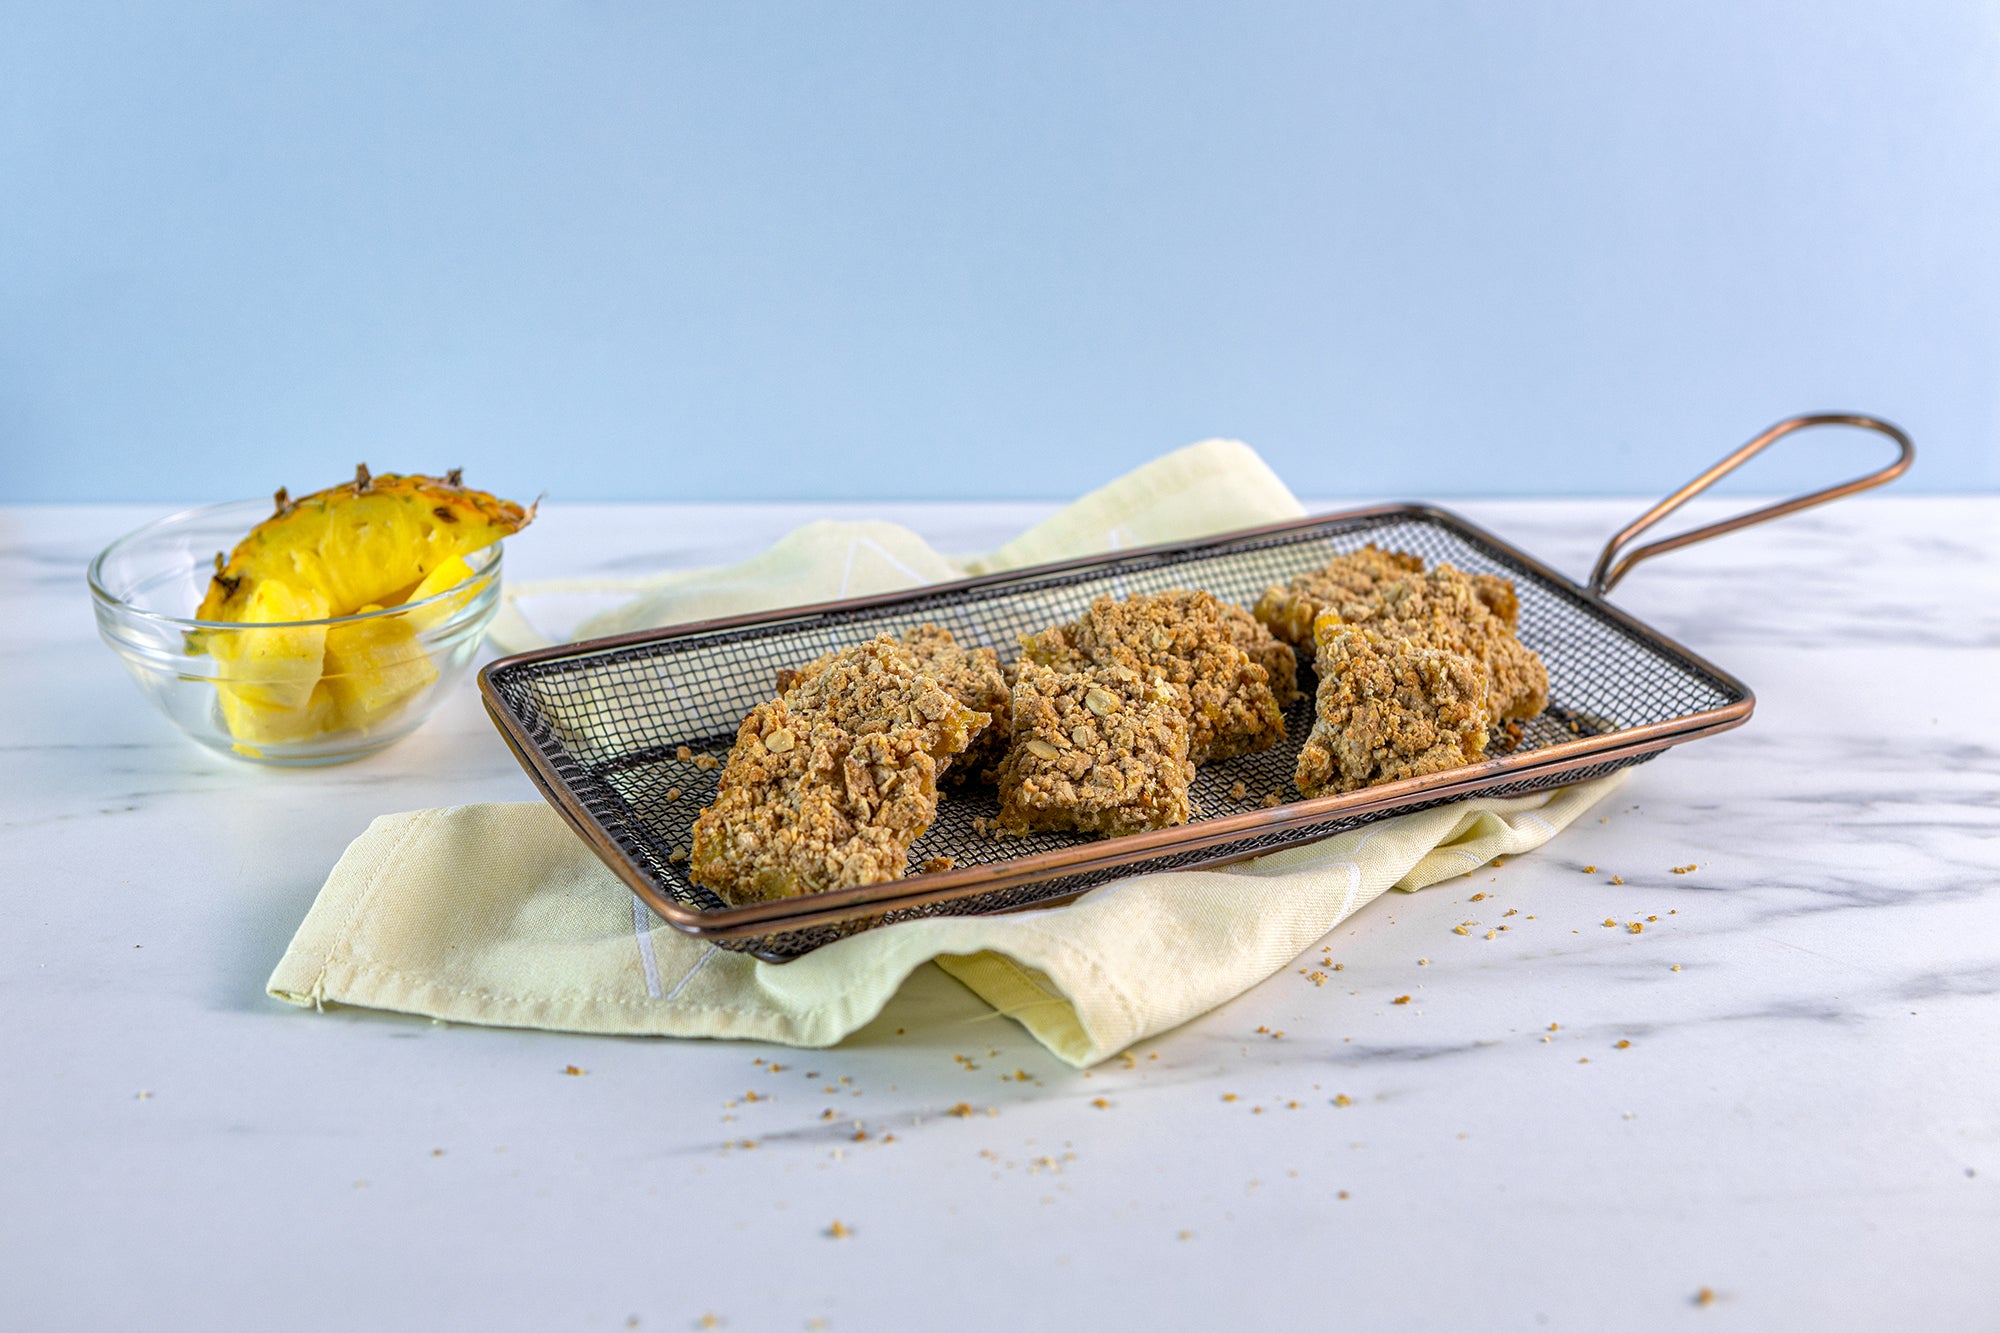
{"points": [[1184, 637], [1097, 750], [1389, 708]]}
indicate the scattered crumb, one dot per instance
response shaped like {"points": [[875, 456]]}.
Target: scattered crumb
{"points": [[1343, 1099], [1687, 869], [1189, 1235], [1636, 927], [573, 1071], [1461, 930], [705, 762], [1675, 968], [1100, 1103], [1341, 1195], [1479, 897], [437, 1152], [673, 793], [839, 1230], [1423, 962], [1583, 1059], [677, 855], [937, 863], [1590, 870], [1555, 1027], [1340, 967], [1228, 1096], [1617, 879], [1704, 1297], [1236, 793], [683, 754], [1400, 999], [1489, 934], [1609, 922], [1652, 918], [962, 1110], [1623, 1045], [1271, 802]]}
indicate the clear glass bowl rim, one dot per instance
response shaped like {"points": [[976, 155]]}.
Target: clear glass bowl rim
{"points": [[104, 597]]}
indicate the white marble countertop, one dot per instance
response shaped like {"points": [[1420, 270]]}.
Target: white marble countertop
{"points": [[1806, 1123]]}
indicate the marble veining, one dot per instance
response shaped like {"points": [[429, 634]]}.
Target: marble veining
{"points": [[1780, 1089]]}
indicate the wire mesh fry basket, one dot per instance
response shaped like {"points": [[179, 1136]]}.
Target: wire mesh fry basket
{"points": [[623, 735]]}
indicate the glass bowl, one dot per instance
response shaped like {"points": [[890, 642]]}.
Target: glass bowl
{"points": [[294, 693]]}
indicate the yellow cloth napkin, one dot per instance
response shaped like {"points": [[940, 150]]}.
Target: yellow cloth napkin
{"points": [[499, 914]]}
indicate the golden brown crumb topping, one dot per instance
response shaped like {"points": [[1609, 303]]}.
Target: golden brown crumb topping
{"points": [[881, 685], [1290, 609], [970, 675], [1182, 637], [1280, 663], [1443, 609], [1389, 709], [1099, 750]]}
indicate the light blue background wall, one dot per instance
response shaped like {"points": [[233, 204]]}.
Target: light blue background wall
{"points": [[957, 250]]}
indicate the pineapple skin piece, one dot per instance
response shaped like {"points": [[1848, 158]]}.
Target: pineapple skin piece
{"points": [[364, 542]]}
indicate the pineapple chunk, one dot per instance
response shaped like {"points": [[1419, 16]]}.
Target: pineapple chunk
{"points": [[447, 575], [373, 667], [268, 678], [254, 724]]}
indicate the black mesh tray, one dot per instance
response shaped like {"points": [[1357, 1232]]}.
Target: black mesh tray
{"points": [[599, 725]]}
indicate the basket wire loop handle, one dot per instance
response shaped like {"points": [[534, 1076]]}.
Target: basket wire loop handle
{"points": [[1612, 566]]}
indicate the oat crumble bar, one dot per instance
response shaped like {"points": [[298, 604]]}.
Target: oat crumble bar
{"points": [[1389, 708], [1184, 637], [1097, 750], [830, 785], [805, 805], [1290, 609]]}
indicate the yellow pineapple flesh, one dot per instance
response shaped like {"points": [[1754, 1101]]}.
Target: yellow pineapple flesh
{"points": [[373, 667], [268, 680]]}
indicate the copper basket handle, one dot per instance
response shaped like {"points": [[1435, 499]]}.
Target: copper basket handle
{"points": [[1611, 566]]}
